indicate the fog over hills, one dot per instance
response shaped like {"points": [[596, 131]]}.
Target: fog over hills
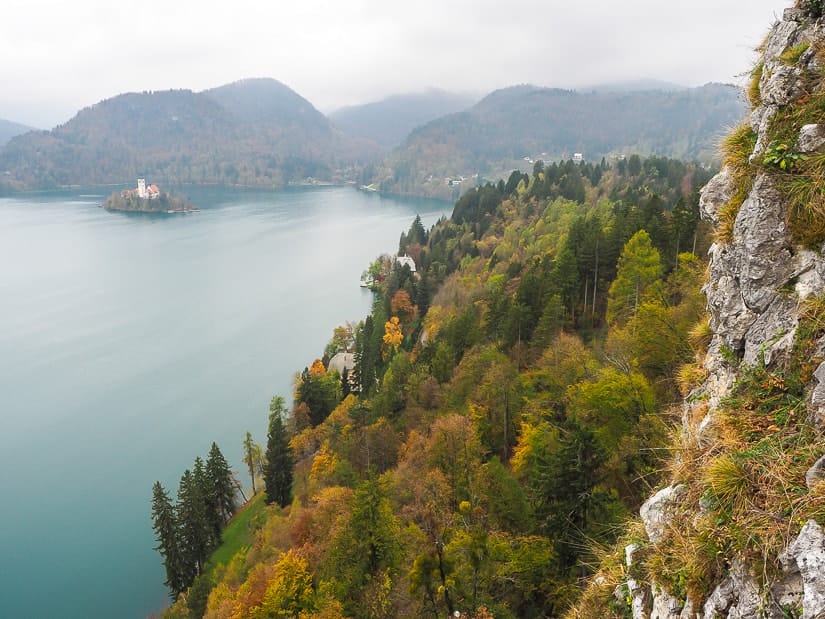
{"points": [[389, 121], [260, 133], [9, 129]]}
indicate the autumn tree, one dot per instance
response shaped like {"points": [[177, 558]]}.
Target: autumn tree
{"points": [[343, 339], [279, 460], [317, 368], [393, 337], [401, 305], [290, 592]]}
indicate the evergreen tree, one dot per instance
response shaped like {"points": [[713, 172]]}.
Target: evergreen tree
{"points": [[365, 357], [221, 488], [279, 461], [165, 526], [194, 527]]}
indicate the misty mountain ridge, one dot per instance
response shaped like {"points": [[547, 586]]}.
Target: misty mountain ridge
{"points": [[389, 121], [10, 129], [511, 127], [258, 132], [632, 86]]}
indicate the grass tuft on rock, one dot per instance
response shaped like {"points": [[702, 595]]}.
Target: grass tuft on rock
{"points": [[736, 151]]}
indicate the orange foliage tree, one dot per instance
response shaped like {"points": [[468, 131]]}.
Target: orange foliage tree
{"points": [[402, 306], [317, 368]]}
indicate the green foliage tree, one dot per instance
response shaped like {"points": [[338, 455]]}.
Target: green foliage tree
{"points": [[279, 459], [639, 266], [321, 392], [366, 548]]}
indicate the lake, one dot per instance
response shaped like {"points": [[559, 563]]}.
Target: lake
{"points": [[128, 343]]}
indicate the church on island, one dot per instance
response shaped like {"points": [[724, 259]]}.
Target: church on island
{"points": [[152, 192]]}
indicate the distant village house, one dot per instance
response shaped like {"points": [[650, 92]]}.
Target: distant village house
{"points": [[406, 260]]}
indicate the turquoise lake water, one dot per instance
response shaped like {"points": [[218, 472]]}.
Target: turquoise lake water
{"points": [[128, 343]]}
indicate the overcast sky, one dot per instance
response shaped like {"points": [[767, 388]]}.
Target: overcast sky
{"points": [[59, 56]]}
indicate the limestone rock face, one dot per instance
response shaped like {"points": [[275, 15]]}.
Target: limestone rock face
{"points": [[808, 552], [654, 511], [758, 279], [816, 402], [714, 195], [815, 474], [811, 138], [737, 596]]}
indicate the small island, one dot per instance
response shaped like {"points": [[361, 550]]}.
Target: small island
{"points": [[148, 199]]}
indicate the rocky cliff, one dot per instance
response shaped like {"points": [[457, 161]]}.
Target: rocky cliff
{"points": [[738, 529]]}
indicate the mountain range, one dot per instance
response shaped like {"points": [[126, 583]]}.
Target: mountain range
{"points": [[258, 132], [515, 126], [254, 132]]}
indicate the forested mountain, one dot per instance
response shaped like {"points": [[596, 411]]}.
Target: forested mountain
{"points": [[9, 129], [527, 122], [504, 412], [388, 122], [253, 132]]}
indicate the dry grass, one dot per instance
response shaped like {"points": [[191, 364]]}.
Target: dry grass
{"points": [[794, 53], [598, 600], [689, 376], [750, 482], [805, 192], [700, 335], [754, 95], [736, 149]]}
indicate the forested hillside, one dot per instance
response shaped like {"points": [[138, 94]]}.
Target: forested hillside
{"points": [[254, 133], [509, 125], [505, 412]]}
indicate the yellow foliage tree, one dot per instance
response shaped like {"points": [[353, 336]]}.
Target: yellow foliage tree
{"points": [[317, 368], [392, 336], [289, 592]]}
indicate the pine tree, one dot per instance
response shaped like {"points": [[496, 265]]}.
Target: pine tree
{"points": [[193, 525], [165, 526], [221, 488], [279, 461]]}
